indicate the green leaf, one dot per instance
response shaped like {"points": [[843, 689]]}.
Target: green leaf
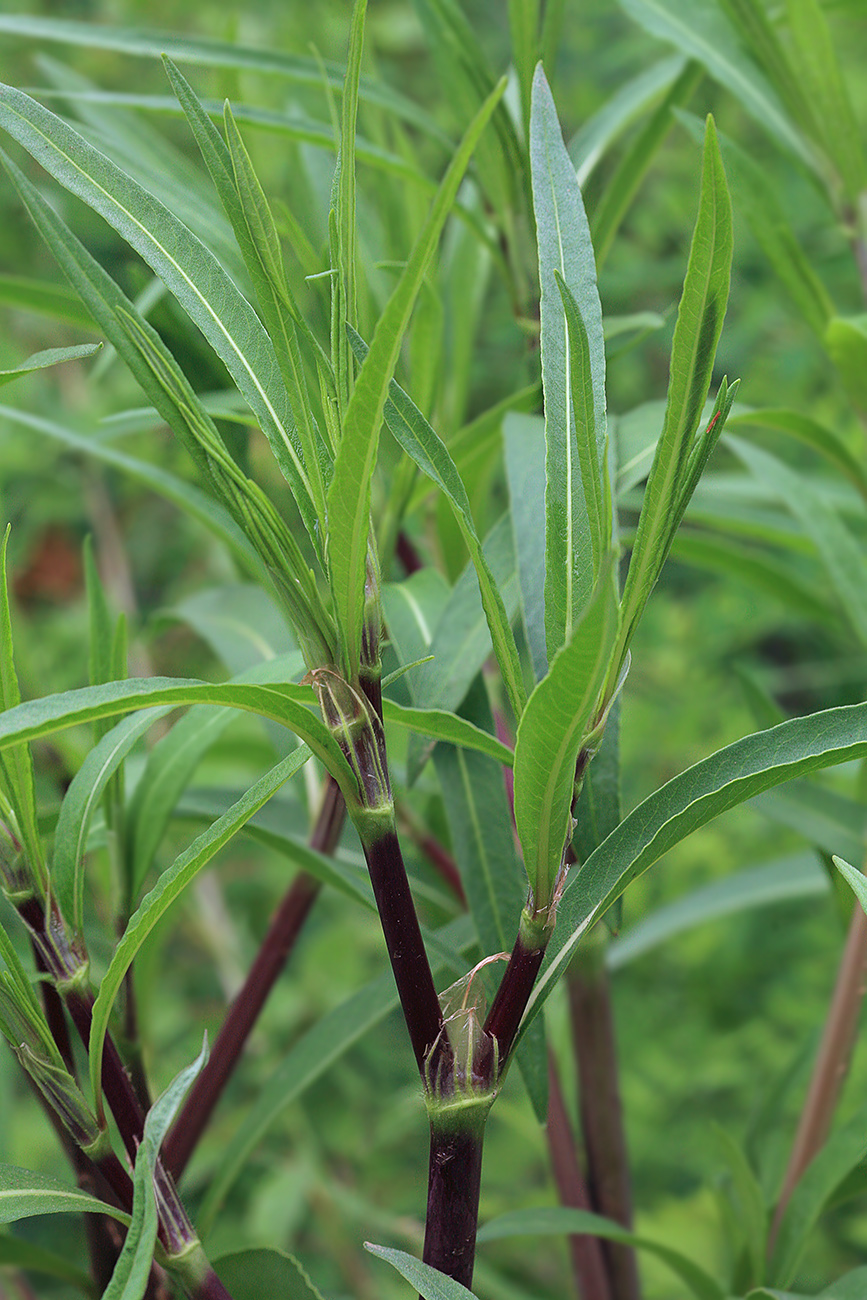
{"points": [[443, 726], [282, 703], [132, 1271], [560, 715], [308, 1059], [524, 448], [599, 132], [170, 885], [252, 1274], [205, 52], [41, 360], [240, 623], [830, 821], [701, 31], [349, 494], [841, 554], [559, 1221], [430, 1283], [188, 269], [748, 1203], [24, 1194], [778, 882], [564, 247], [687, 802], [525, 34], [827, 442], [696, 334], [421, 443], [44, 299], [79, 804], [845, 1149], [622, 186], [16, 1253]]}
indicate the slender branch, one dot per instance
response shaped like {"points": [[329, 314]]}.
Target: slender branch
{"points": [[600, 1107], [832, 1062], [512, 997], [588, 1260]]}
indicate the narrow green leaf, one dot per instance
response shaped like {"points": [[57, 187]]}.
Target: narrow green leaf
{"points": [[282, 703], [696, 334], [44, 299], [817, 71], [558, 1221], [845, 1149], [778, 882], [170, 885], [188, 269], [689, 801], [441, 725], [701, 31], [421, 443], [346, 216], [24, 1194], [241, 624], [565, 247], [748, 1202], [842, 555], [846, 340], [209, 53], [623, 185], [131, 1274], [853, 877], [79, 804], [829, 821], [560, 715], [349, 495], [599, 132], [41, 360], [826, 441], [525, 34], [251, 1274], [430, 1283]]}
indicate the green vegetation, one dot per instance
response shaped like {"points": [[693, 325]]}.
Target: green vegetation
{"points": [[434, 487]]}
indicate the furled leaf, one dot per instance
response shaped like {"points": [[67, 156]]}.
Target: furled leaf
{"points": [[24, 1194], [132, 1271], [170, 885], [559, 1221], [430, 1283], [560, 715], [421, 442], [349, 494], [679, 454], [565, 248], [41, 360], [689, 801]]}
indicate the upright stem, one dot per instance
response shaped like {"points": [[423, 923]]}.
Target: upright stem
{"points": [[832, 1061], [588, 1260], [286, 925], [454, 1183], [601, 1110]]}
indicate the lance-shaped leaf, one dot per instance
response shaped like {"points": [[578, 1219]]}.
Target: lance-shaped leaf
{"points": [[438, 724], [188, 269], [692, 799], [349, 495], [24, 1194], [51, 357], [559, 716], [572, 506], [430, 1283], [132, 1271], [680, 457], [420, 441], [170, 885]]}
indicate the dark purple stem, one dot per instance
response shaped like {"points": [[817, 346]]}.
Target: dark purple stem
{"points": [[454, 1182], [512, 997]]}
